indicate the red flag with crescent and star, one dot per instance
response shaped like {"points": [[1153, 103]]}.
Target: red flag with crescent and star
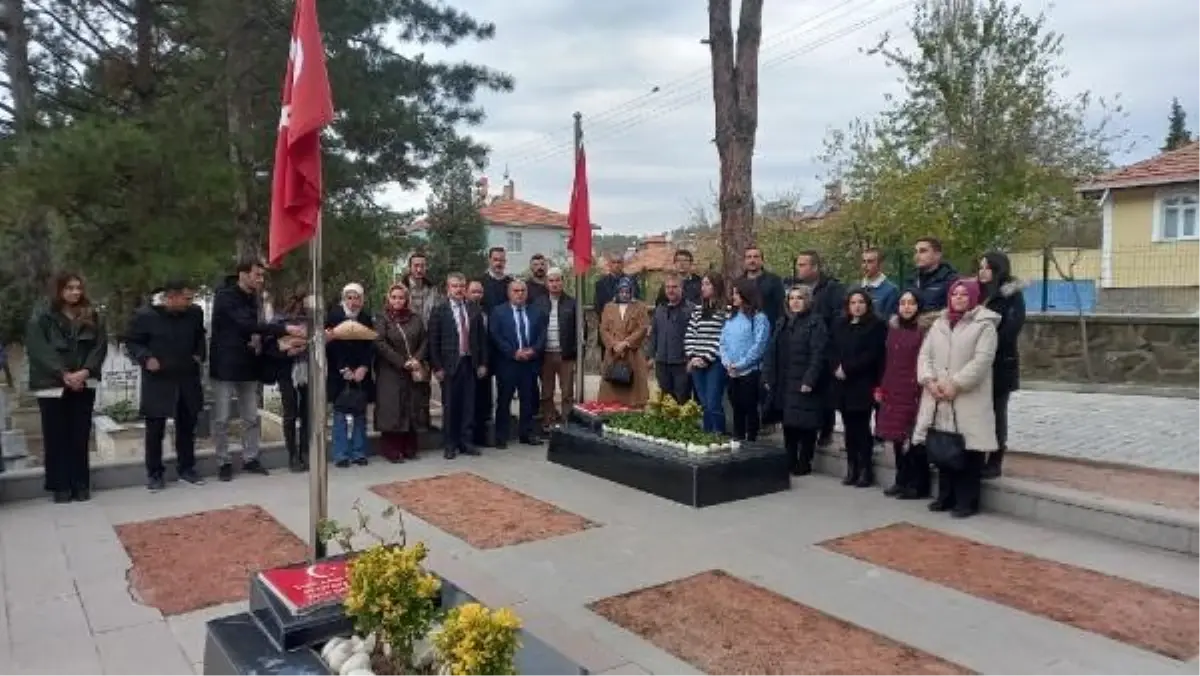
{"points": [[579, 218], [307, 109]]}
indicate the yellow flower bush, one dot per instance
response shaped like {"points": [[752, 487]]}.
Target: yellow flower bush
{"points": [[474, 640], [392, 596]]}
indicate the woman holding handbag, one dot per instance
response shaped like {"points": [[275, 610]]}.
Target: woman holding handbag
{"points": [[624, 325], [956, 421], [401, 378]]}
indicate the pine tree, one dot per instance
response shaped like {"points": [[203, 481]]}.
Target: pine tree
{"points": [[457, 231], [1177, 133]]}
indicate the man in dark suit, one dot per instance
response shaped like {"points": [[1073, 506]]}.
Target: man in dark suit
{"points": [[483, 385], [458, 351], [518, 333]]}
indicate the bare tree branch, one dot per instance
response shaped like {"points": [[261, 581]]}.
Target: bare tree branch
{"points": [[71, 32]]}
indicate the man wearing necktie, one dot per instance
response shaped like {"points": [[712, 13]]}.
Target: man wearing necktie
{"points": [[458, 357], [518, 334]]}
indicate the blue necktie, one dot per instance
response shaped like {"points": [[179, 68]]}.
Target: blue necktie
{"points": [[522, 333]]}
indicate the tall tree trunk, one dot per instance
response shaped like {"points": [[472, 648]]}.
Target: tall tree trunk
{"points": [[33, 233], [237, 113], [735, 98], [143, 71]]}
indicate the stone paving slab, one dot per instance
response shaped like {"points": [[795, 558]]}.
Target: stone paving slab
{"points": [[1159, 432], [63, 577]]}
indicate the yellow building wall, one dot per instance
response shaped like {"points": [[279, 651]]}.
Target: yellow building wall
{"points": [[1137, 260], [1027, 265]]}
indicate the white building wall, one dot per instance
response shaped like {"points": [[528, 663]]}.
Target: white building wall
{"points": [[521, 243]]}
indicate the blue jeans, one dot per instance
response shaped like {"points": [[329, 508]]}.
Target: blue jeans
{"points": [[710, 391], [349, 444]]}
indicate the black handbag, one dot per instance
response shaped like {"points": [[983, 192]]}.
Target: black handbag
{"points": [[619, 373], [946, 450], [352, 400]]}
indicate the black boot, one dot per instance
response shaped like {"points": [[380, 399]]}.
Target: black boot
{"points": [[995, 459], [866, 472], [901, 461], [917, 476], [852, 469], [805, 466]]}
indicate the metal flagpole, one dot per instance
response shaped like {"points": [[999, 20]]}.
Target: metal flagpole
{"points": [[318, 465], [580, 283]]}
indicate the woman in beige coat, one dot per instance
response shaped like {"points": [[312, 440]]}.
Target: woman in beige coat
{"points": [[955, 372], [623, 327]]}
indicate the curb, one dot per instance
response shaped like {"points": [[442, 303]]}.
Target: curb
{"points": [[1132, 522]]}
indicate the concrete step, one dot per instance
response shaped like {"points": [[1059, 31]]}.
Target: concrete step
{"points": [[1133, 522]]}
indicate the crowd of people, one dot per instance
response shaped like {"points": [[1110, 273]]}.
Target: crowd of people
{"points": [[901, 364]]}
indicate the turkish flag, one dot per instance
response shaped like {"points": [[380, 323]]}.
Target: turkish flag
{"points": [[579, 218], [307, 108]]}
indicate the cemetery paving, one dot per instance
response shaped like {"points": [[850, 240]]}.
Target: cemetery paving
{"points": [[66, 605]]}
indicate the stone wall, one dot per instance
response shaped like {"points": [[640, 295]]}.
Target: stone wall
{"points": [[1127, 349], [1124, 349]]}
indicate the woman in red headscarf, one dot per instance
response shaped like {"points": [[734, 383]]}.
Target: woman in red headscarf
{"points": [[955, 372]]}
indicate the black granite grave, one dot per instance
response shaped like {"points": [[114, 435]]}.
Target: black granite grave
{"points": [[695, 480], [271, 639]]}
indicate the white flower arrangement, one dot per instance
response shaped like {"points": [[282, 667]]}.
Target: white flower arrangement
{"points": [[694, 449]]}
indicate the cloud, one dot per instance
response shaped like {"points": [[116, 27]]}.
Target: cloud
{"points": [[650, 153]]}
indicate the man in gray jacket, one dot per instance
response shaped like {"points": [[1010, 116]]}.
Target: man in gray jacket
{"points": [[666, 341]]}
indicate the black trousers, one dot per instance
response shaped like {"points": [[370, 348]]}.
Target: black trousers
{"points": [[482, 410], [295, 418], [458, 404], [674, 379], [912, 468], [801, 446], [857, 436], [744, 394], [518, 378], [185, 441], [828, 419], [1000, 408], [66, 434], [960, 489]]}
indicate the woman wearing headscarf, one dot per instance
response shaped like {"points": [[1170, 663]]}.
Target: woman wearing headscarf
{"points": [[955, 368], [858, 352], [1002, 294], [743, 342], [401, 377], [349, 383], [792, 371], [899, 397], [624, 324]]}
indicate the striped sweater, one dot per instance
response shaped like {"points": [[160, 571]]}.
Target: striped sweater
{"points": [[703, 336]]}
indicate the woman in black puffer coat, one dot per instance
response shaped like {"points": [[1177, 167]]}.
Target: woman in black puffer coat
{"points": [[859, 351], [1002, 294], [794, 363]]}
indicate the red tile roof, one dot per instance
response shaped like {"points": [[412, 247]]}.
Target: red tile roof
{"points": [[1181, 165], [515, 212]]}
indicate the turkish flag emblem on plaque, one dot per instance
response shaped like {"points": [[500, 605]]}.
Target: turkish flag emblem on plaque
{"points": [[305, 588]]}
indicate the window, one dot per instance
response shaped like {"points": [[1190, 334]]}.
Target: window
{"points": [[513, 242], [1176, 217]]}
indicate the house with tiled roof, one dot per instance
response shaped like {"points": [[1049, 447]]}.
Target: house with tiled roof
{"points": [[1150, 238], [521, 227]]}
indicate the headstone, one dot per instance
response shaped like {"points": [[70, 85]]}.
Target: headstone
{"points": [[121, 379]]}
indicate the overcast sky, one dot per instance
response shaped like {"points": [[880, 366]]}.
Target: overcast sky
{"points": [[650, 156]]}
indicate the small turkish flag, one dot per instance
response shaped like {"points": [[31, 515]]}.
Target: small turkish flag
{"points": [[307, 108]]}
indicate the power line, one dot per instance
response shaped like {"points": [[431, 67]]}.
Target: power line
{"points": [[618, 128], [658, 92]]}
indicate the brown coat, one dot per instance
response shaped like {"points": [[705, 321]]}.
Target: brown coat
{"points": [[401, 403], [633, 330]]}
